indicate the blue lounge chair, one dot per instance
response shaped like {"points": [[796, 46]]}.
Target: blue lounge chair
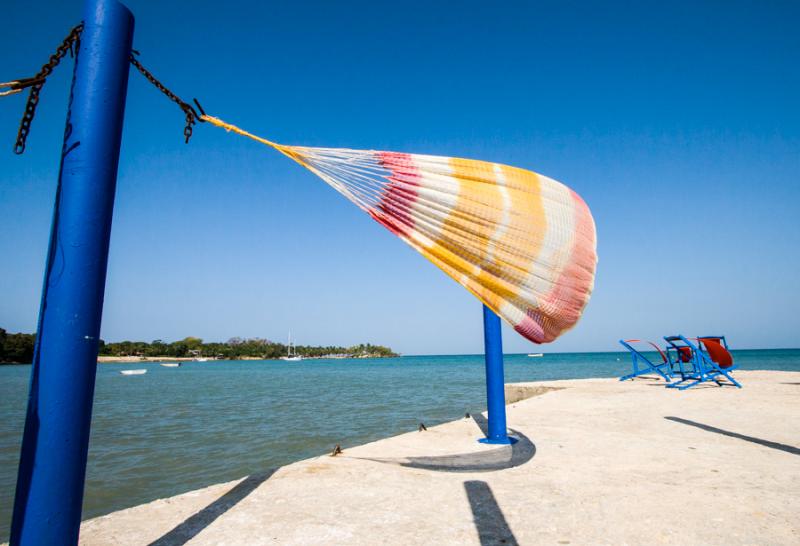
{"points": [[643, 365], [709, 360]]}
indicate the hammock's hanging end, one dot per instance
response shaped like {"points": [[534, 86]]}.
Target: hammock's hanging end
{"points": [[522, 243], [17, 86]]}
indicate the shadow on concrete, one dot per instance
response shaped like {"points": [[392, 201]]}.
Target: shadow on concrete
{"points": [[767, 443], [482, 422], [500, 458], [195, 524], [489, 520]]}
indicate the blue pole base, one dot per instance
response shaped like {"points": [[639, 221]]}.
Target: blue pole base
{"points": [[506, 441]]}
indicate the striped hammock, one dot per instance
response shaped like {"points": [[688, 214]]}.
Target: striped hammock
{"points": [[522, 243]]}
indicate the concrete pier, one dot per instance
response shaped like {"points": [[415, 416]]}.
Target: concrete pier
{"points": [[598, 462]]}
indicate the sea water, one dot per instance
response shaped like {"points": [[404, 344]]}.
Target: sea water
{"points": [[177, 429]]}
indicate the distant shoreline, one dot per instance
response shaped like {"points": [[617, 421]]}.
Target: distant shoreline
{"points": [[20, 347], [106, 359], [141, 359], [130, 359]]}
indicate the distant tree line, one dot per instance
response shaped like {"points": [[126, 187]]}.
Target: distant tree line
{"points": [[235, 347], [19, 348], [16, 348]]}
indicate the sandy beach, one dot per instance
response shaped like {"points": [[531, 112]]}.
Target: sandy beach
{"points": [[133, 359], [598, 462]]}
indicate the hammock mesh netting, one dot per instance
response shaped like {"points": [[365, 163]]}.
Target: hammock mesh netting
{"points": [[522, 243]]}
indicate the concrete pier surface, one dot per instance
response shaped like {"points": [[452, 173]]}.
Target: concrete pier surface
{"points": [[598, 462]]}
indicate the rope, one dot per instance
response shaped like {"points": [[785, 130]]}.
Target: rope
{"points": [[229, 127], [234, 129], [17, 86]]}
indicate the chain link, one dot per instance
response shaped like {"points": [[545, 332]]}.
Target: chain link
{"points": [[70, 45], [188, 110]]}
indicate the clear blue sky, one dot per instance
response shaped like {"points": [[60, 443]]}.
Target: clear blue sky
{"points": [[677, 122]]}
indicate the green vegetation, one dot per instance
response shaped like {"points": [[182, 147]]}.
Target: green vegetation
{"points": [[233, 348], [16, 348], [19, 348]]}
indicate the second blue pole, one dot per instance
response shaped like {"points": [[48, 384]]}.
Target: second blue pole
{"points": [[495, 385]]}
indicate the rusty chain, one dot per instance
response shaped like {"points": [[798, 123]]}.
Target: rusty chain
{"points": [[188, 110], [70, 45]]}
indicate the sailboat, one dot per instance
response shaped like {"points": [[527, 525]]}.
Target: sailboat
{"points": [[291, 355]]}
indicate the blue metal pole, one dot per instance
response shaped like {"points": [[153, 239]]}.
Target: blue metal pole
{"points": [[495, 393], [55, 443]]}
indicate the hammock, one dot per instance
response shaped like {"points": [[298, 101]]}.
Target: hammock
{"points": [[522, 243]]}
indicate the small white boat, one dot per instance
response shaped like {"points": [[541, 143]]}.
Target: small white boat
{"points": [[201, 359], [291, 356], [533, 355], [133, 372], [171, 364]]}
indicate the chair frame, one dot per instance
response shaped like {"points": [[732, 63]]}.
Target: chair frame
{"points": [[664, 369], [700, 368]]}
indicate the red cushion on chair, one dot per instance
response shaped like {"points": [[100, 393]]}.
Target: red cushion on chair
{"points": [[717, 352]]}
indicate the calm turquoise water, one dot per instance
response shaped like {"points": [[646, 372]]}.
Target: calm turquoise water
{"points": [[177, 429]]}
